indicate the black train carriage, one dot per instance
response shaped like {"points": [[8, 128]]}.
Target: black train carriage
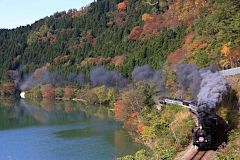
{"points": [[211, 133]]}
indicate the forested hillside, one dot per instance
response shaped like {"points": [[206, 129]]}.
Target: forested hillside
{"points": [[124, 34]]}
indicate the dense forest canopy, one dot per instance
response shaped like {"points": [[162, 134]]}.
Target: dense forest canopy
{"points": [[123, 34]]}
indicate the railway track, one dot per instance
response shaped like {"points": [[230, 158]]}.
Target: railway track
{"points": [[204, 155], [199, 155], [194, 154]]}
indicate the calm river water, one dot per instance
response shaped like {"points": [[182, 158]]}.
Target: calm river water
{"points": [[60, 131]]}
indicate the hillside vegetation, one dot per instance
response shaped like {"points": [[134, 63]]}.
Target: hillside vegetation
{"points": [[124, 34]]}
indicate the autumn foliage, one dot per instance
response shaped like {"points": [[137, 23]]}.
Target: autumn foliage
{"points": [[118, 109], [146, 17], [119, 17], [38, 73], [135, 33], [140, 128], [197, 44], [180, 54], [61, 59], [122, 6], [177, 56], [48, 91], [95, 60], [179, 12], [231, 57], [121, 112], [117, 60], [129, 105], [68, 92]]}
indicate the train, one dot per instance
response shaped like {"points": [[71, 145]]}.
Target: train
{"points": [[211, 129], [190, 105]]}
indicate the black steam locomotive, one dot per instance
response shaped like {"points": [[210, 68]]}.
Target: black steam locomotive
{"points": [[212, 131]]}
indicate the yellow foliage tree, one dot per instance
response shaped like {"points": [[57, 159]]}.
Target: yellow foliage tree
{"points": [[225, 50], [225, 62], [101, 93], [146, 17], [231, 57]]}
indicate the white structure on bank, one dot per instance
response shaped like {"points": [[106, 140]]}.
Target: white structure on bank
{"points": [[22, 95]]}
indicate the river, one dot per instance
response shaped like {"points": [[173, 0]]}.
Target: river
{"points": [[60, 131]]}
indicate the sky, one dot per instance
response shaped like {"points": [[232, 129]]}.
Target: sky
{"points": [[15, 13]]}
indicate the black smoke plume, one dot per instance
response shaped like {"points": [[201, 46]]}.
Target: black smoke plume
{"points": [[41, 76], [208, 86], [146, 73], [101, 76], [15, 76], [188, 76], [77, 78], [213, 87]]}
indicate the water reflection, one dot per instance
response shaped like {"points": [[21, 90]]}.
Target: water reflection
{"points": [[55, 130], [48, 112], [14, 115]]}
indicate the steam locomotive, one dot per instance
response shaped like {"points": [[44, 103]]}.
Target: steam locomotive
{"points": [[212, 130]]}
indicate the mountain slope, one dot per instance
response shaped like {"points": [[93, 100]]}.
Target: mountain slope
{"points": [[133, 30]]}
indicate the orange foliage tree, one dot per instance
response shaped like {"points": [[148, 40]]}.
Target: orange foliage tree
{"points": [[135, 33], [121, 110], [118, 60], [140, 128], [176, 56], [48, 91], [122, 6]]}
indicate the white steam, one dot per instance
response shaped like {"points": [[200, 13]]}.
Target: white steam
{"points": [[212, 88]]}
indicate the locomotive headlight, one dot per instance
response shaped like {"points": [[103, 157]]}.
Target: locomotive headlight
{"points": [[201, 139]]}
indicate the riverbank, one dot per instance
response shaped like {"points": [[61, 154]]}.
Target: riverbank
{"points": [[101, 95]]}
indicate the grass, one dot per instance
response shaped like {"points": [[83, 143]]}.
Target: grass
{"points": [[232, 150], [166, 133]]}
